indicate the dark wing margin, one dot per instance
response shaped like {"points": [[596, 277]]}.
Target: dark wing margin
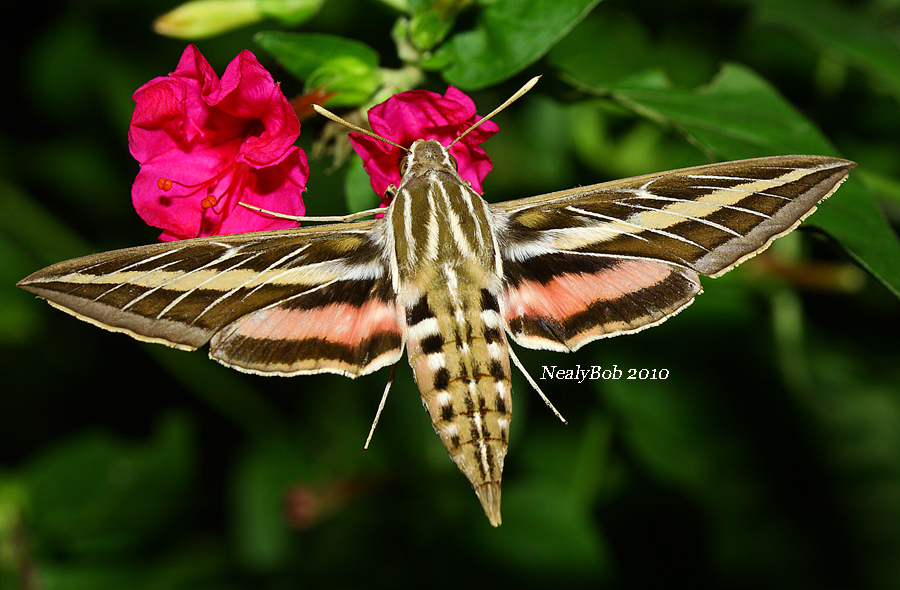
{"points": [[621, 256], [284, 302]]}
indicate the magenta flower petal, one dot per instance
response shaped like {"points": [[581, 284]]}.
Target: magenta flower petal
{"points": [[206, 144], [420, 114]]}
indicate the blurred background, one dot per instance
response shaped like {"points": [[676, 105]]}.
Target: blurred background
{"points": [[769, 456]]}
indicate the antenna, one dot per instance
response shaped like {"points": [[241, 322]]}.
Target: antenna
{"points": [[528, 86], [329, 115]]}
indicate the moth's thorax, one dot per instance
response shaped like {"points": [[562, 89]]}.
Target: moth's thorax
{"points": [[436, 219]]}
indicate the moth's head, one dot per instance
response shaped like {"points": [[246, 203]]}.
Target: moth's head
{"points": [[425, 155]]}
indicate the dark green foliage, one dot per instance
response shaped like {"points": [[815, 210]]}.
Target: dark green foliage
{"points": [[769, 457]]}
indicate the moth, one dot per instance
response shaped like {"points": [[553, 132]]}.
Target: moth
{"points": [[450, 278]]}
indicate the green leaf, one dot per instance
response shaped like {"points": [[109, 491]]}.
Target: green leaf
{"points": [[348, 68], [301, 54], [854, 409], [683, 437], [221, 390], [97, 493], [431, 21], [853, 35], [36, 229], [358, 188], [618, 34], [262, 479], [883, 185], [853, 218], [510, 35], [609, 31], [290, 12], [673, 432], [187, 566], [519, 545], [739, 115], [29, 238]]}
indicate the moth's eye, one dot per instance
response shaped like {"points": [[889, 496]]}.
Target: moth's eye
{"points": [[403, 166], [453, 161]]}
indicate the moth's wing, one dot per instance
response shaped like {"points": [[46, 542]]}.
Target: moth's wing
{"points": [[621, 256], [308, 300]]}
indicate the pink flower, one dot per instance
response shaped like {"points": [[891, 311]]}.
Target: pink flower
{"points": [[205, 144], [420, 114]]}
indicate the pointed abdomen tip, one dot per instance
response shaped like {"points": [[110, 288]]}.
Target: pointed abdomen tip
{"points": [[489, 495]]}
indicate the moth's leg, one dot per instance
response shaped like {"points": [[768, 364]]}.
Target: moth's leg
{"points": [[324, 218], [534, 384], [387, 388]]}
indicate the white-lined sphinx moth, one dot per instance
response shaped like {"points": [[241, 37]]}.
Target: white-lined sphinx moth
{"points": [[448, 276]]}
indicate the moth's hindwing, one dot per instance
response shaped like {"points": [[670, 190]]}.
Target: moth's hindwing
{"points": [[618, 257], [288, 302]]}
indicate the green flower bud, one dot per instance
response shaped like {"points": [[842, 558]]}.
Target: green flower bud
{"points": [[350, 79], [198, 19]]}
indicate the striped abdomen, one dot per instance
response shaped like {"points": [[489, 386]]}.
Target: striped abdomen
{"points": [[458, 351]]}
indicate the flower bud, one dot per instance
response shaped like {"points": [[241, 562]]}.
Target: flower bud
{"points": [[351, 80], [204, 18], [198, 19]]}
